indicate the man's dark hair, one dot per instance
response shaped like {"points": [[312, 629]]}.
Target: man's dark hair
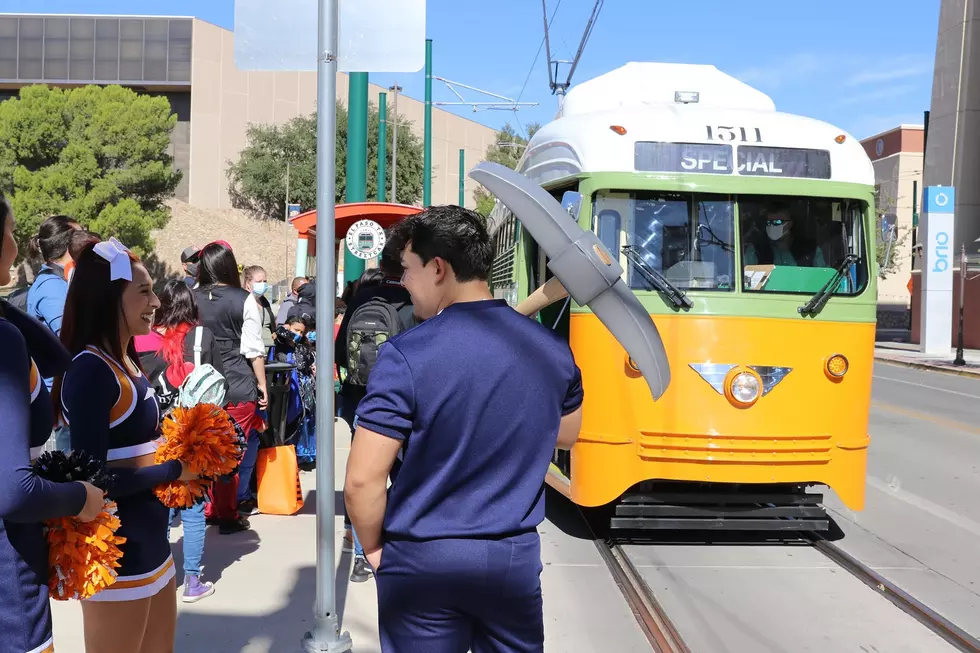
{"points": [[452, 233], [391, 264]]}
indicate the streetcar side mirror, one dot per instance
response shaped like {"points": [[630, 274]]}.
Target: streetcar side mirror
{"points": [[571, 201]]}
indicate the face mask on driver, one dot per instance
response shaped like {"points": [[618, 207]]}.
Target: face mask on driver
{"points": [[776, 229]]}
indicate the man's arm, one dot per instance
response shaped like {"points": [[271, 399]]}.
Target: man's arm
{"points": [[384, 420], [372, 456], [571, 410]]}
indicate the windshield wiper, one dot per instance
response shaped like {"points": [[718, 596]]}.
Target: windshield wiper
{"points": [[677, 296], [817, 302]]}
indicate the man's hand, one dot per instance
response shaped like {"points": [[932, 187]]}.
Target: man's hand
{"points": [[263, 397], [374, 558]]}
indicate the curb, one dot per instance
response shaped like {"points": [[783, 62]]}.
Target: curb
{"points": [[929, 368]]}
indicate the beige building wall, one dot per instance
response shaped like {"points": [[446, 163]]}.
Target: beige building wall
{"points": [[896, 176], [225, 100]]}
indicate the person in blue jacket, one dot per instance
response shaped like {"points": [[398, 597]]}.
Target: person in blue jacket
{"points": [[28, 351], [113, 414], [46, 297]]}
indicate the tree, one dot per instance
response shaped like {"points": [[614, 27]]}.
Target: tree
{"points": [[257, 181], [507, 151], [97, 154], [888, 245]]}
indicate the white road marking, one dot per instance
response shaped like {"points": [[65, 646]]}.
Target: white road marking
{"points": [[893, 489], [926, 385]]}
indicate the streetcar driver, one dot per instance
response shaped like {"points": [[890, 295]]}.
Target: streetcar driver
{"points": [[782, 246]]}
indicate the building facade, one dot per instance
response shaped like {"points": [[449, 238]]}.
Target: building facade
{"points": [[192, 63], [897, 156]]}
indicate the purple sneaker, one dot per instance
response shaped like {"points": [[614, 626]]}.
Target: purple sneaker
{"points": [[195, 590]]}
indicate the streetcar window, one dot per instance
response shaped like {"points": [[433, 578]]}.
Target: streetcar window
{"points": [[796, 244], [687, 237]]}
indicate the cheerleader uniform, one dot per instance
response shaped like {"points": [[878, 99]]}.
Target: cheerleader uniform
{"points": [[115, 417], [27, 500]]}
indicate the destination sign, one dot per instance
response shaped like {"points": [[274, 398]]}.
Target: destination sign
{"points": [[761, 161], [707, 158]]}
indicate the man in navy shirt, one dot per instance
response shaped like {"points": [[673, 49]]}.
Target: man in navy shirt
{"points": [[476, 398]]}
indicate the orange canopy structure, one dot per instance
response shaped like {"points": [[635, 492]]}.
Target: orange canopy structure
{"points": [[385, 214]]}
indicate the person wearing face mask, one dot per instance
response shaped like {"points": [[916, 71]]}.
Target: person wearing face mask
{"points": [[255, 281], [783, 246]]}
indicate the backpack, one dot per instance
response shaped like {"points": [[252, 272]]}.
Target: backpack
{"points": [[202, 385], [372, 324], [18, 298]]}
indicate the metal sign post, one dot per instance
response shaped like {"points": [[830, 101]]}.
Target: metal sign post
{"points": [[326, 636], [365, 36]]}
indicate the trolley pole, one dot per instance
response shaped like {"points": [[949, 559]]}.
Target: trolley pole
{"points": [[325, 636], [959, 360]]}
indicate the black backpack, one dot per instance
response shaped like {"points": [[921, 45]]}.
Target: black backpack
{"points": [[18, 298], [372, 324]]}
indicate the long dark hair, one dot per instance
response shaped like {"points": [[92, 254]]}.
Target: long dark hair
{"points": [[93, 307], [177, 306], [53, 237], [178, 315], [218, 266]]}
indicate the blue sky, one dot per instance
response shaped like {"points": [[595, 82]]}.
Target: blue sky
{"points": [[864, 65]]}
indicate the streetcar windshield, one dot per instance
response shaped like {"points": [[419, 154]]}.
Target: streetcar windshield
{"points": [[797, 244], [687, 237]]}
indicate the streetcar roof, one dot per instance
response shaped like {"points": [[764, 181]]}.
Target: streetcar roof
{"points": [[639, 100], [644, 83]]}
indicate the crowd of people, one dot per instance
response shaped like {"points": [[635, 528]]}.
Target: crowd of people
{"points": [[452, 397]]}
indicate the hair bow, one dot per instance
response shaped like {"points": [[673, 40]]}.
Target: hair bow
{"points": [[120, 266]]}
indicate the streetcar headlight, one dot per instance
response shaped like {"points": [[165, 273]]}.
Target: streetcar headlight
{"points": [[743, 387], [746, 388]]}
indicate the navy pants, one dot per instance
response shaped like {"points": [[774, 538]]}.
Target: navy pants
{"points": [[454, 596]]}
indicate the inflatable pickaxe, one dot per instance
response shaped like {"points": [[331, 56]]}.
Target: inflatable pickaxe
{"points": [[584, 269]]}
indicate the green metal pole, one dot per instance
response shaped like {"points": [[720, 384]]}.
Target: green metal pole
{"points": [[382, 144], [427, 142], [462, 176], [357, 110]]}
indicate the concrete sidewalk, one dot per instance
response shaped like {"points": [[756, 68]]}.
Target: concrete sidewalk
{"points": [[265, 586], [908, 354]]}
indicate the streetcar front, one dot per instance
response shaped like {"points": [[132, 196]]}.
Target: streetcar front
{"points": [[752, 249]]}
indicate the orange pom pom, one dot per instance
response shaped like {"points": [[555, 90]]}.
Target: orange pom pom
{"points": [[203, 438], [83, 556]]}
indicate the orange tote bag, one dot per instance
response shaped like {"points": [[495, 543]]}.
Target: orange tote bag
{"points": [[280, 492]]}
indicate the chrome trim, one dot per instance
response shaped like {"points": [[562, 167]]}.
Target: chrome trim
{"points": [[714, 374], [770, 375]]}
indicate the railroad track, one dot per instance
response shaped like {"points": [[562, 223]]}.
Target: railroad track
{"points": [[922, 613], [654, 622]]}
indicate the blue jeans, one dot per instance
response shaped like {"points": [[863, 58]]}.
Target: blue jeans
{"points": [[62, 439], [194, 528], [247, 466]]}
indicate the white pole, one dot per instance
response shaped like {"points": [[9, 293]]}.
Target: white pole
{"points": [[325, 637]]}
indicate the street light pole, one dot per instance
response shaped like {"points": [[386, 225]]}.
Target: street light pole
{"points": [[394, 144], [325, 636]]}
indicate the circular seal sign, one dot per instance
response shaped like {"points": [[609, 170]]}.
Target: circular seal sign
{"points": [[365, 239]]}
